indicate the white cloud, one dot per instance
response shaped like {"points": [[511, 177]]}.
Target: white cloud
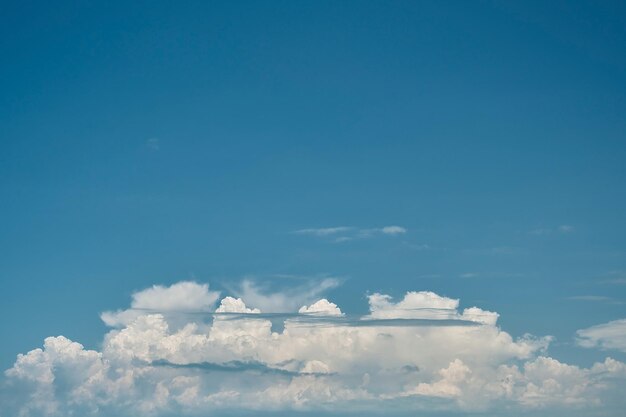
{"points": [[345, 233], [324, 231], [418, 353], [563, 229], [611, 335], [426, 305], [414, 305], [286, 300], [183, 296], [322, 307], [393, 230], [235, 305]]}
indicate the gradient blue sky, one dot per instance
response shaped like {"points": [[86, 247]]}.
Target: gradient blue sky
{"points": [[152, 142]]}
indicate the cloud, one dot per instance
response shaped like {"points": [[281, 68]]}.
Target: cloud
{"points": [[419, 353], [326, 231], [393, 230], [563, 229], [235, 305], [285, 300], [322, 307], [589, 298], [344, 233], [183, 296], [611, 335], [426, 305], [153, 144]]}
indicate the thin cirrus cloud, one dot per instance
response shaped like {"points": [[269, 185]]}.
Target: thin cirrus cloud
{"points": [[422, 352], [589, 298], [346, 233], [562, 229]]}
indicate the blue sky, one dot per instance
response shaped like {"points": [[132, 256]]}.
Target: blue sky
{"points": [[151, 143]]}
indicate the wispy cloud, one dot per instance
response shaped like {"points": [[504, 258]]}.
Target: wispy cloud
{"points": [[393, 230], [611, 335], [544, 231], [340, 234], [323, 231], [284, 300], [153, 144], [615, 277], [589, 298]]}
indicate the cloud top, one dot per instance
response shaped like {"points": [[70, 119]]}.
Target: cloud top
{"points": [[184, 296]]}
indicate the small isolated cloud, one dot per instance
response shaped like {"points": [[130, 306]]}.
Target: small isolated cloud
{"points": [[611, 335], [393, 230], [153, 144], [420, 354], [345, 233], [324, 231], [468, 275], [543, 231]]}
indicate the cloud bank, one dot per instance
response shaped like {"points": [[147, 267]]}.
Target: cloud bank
{"points": [[420, 353]]}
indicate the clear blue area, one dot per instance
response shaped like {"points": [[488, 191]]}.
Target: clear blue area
{"points": [[151, 142]]}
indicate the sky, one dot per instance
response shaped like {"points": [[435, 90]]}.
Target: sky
{"points": [[393, 164]]}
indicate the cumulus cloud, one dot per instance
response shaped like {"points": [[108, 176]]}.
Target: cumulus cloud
{"points": [[233, 359], [426, 305], [611, 335], [184, 296], [322, 307], [285, 300], [235, 305]]}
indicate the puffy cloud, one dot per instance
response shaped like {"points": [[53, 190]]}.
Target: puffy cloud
{"points": [[611, 335], [184, 296], [414, 305], [235, 305], [322, 307], [419, 353], [480, 316]]}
